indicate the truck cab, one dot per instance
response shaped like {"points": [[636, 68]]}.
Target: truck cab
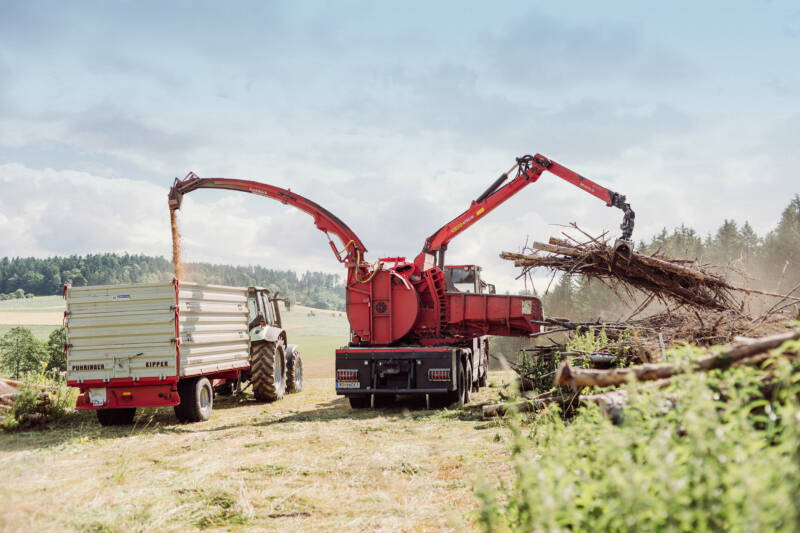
{"points": [[466, 278]]}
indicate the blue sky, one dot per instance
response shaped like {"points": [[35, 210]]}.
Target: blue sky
{"points": [[393, 117]]}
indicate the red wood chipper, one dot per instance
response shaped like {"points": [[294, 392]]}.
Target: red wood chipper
{"points": [[421, 327]]}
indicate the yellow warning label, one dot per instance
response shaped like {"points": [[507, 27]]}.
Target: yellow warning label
{"points": [[480, 211]]}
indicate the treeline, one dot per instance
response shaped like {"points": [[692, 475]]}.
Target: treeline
{"points": [[771, 262], [30, 275]]}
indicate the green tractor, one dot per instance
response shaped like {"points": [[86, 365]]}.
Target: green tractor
{"points": [[276, 367]]}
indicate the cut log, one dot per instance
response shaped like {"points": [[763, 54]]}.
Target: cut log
{"points": [[582, 377], [611, 404]]}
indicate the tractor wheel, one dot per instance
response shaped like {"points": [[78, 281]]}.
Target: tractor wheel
{"points": [[116, 417], [294, 372], [267, 365], [197, 400], [359, 402]]}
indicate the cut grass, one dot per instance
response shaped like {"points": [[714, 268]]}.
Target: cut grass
{"points": [[308, 462]]}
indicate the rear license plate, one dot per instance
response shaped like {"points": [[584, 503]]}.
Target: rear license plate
{"points": [[348, 384], [97, 397]]}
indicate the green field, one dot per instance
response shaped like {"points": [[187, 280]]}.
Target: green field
{"points": [[37, 303]]}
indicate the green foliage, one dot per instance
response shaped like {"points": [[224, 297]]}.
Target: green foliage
{"points": [[22, 277], [54, 348], [43, 397], [713, 452], [21, 352]]}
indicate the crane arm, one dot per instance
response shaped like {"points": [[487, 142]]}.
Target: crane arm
{"points": [[323, 219], [529, 169]]}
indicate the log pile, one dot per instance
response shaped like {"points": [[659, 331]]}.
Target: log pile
{"points": [[9, 392], [744, 351], [677, 280]]}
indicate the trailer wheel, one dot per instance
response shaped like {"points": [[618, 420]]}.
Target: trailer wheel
{"points": [[116, 417], [359, 402], [294, 372], [197, 400], [267, 371]]}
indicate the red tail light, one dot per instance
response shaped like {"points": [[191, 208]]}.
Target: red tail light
{"points": [[439, 374], [347, 375]]}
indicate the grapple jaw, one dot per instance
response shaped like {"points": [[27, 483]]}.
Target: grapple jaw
{"points": [[623, 249]]}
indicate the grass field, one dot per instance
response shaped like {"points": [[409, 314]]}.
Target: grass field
{"points": [[307, 462]]}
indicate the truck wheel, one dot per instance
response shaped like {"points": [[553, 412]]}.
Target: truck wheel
{"points": [[483, 380], [197, 400], [116, 417], [468, 383], [451, 399], [359, 402], [294, 372], [267, 371]]}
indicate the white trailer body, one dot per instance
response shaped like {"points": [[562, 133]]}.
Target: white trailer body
{"points": [[129, 345]]}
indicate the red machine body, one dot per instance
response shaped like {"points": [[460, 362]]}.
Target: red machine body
{"points": [[409, 302], [407, 306]]}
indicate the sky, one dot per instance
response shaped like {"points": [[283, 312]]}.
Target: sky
{"points": [[392, 116]]}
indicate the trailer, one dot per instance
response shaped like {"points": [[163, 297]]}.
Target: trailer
{"points": [[174, 344]]}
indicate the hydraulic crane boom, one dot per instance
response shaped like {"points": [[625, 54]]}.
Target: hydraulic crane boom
{"points": [[323, 219], [529, 169]]}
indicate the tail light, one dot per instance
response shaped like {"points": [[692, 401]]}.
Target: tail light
{"points": [[439, 374], [347, 375]]}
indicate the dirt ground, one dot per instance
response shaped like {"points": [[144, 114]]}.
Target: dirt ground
{"points": [[308, 462]]}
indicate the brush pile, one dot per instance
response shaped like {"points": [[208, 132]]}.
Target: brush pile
{"points": [[676, 280]]}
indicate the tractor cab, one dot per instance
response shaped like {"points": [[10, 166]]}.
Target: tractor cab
{"points": [[264, 312], [466, 278]]}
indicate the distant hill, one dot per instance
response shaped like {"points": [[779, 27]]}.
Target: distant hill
{"points": [[41, 277]]}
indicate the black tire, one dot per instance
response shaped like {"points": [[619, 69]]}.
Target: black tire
{"points": [[116, 417], [267, 371], [359, 402], [450, 399], [468, 383], [294, 372], [197, 400], [483, 380]]}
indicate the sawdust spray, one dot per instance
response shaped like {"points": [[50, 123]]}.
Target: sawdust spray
{"points": [[176, 244]]}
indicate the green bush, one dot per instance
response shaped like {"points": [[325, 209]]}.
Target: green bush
{"points": [[712, 452], [44, 396]]}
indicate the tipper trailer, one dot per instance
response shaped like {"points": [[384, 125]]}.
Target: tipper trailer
{"points": [[174, 344]]}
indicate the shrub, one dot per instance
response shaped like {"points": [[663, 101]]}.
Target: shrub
{"points": [[711, 452], [43, 397]]}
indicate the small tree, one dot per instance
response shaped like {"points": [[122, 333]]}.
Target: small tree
{"points": [[55, 349], [21, 352]]}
